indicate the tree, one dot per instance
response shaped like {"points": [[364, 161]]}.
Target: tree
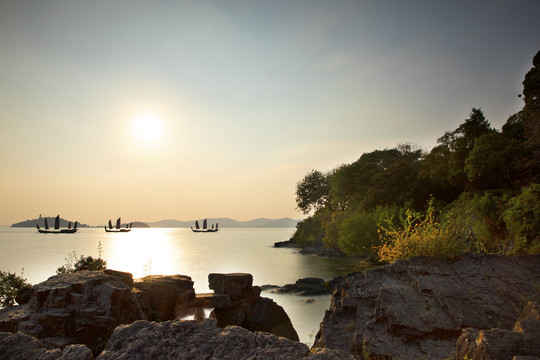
{"points": [[313, 191], [12, 286], [490, 163], [460, 143]]}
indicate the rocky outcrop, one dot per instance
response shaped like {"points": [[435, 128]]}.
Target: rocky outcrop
{"points": [[418, 308], [308, 287], [247, 308], [79, 308], [85, 307], [21, 346], [500, 344], [191, 340], [164, 297]]}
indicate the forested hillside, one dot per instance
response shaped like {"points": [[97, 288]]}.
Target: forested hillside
{"points": [[477, 190]]}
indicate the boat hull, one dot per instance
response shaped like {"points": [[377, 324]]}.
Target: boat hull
{"points": [[203, 231], [62, 231]]}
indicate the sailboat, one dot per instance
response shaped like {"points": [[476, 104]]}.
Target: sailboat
{"points": [[57, 230], [118, 227], [204, 227]]}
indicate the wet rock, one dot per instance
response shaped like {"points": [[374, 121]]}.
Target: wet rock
{"points": [[78, 308], [287, 244], [417, 308], [159, 295], [308, 287]]}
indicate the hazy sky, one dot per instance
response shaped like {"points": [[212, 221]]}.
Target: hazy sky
{"points": [[156, 110]]}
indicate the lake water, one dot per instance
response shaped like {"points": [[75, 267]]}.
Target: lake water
{"points": [[180, 251]]}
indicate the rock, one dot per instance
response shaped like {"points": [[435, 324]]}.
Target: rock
{"points": [[500, 344], [417, 308], [159, 296], [126, 277], [77, 308], [21, 346], [191, 340], [287, 244], [247, 308], [230, 284], [308, 287]]}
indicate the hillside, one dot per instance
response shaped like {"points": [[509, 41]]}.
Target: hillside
{"points": [[229, 223]]}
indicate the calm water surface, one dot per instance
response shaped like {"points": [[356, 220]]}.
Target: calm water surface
{"points": [[180, 251]]}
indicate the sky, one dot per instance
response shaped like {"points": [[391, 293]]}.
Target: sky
{"points": [[183, 110]]}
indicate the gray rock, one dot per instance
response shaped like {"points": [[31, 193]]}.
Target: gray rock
{"points": [[78, 308], [20, 346], [500, 344], [230, 284], [417, 308], [191, 340], [247, 308], [159, 295]]}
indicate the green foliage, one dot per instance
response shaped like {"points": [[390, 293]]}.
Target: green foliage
{"points": [[474, 175], [522, 218], [309, 231], [74, 264], [490, 164], [422, 235], [11, 286], [358, 233], [312, 192]]}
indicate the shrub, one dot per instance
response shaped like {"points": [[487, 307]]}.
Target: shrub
{"points": [[522, 218], [83, 263], [423, 236], [12, 286]]}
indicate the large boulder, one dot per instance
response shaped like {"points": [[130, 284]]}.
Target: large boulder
{"points": [[247, 308], [192, 340], [418, 308], [19, 346], [159, 296], [78, 308], [501, 344]]}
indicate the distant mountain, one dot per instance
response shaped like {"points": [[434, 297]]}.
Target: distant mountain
{"points": [[41, 222], [229, 223]]}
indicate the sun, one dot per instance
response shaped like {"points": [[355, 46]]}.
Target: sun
{"points": [[147, 127]]}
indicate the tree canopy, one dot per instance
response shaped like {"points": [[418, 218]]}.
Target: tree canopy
{"points": [[474, 173]]}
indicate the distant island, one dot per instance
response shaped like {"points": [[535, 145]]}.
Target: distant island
{"points": [[223, 223], [50, 219], [230, 223]]}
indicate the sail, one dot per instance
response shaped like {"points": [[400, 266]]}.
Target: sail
{"points": [[110, 224], [205, 225], [217, 225], [75, 227], [197, 224], [57, 222], [46, 224], [69, 225], [118, 223]]}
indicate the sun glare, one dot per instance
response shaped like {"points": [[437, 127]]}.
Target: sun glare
{"points": [[147, 127]]}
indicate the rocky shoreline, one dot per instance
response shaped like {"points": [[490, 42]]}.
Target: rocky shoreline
{"points": [[474, 306]]}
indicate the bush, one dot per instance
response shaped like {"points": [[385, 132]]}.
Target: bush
{"points": [[522, 218], [83, 263], [12, 286], [424, 236]]}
